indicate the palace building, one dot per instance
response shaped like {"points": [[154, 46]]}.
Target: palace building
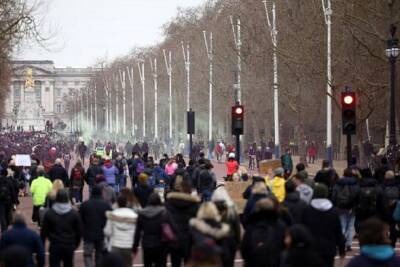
{"points": [[38, 93]]}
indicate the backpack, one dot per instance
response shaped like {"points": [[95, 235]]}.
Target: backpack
{"points": [[344, 197], [139, 167], [367, 201], [4, 190], [391, 194], [262, 245]]}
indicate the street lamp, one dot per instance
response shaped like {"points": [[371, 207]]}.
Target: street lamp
{"points": [[392, 52]]}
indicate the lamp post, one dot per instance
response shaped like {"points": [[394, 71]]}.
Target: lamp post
{"points": [[392, 52]]}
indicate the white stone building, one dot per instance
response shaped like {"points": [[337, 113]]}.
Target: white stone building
{"points": [[50, 86]]}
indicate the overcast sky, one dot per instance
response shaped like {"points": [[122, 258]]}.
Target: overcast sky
{"points": [[86, 30]]}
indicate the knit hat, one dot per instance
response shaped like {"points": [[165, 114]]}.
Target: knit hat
{"points": [[320, 191]]}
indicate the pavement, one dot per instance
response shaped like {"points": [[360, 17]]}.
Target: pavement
{"points": [[26, 208]]}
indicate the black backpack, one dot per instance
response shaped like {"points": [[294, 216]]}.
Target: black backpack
{"points": [[344, 197], [367, 200], [391, 194]]}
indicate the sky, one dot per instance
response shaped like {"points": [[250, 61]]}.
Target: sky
{"points": [[85, 30]]}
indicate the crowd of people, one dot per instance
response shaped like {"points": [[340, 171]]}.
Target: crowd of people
{"points": [[170, 210]]}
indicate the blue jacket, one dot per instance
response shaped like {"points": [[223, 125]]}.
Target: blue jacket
{"points": [[20, 235], [376, 256], [110, 172]]}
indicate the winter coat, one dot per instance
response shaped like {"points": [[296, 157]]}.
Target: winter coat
{"points": [[301, 257], [120, 227], [181, 207], [372, 184], [149, 227], [251, 204], [59, 172], [40, 187], [352, 184], [327, 177], [295, 206], [91, 174], [201, 230], [93, 215], [142, 193], [10, 197], [20, 235], [386, 208], [77, 183], [271, 243], [277, 186], [62, 226], [306, 192], [375, 256], [110, 172], [322, 219]]}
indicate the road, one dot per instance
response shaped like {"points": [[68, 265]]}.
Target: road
{"points": [[26, 208]]}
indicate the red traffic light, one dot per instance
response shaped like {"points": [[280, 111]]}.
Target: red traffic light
{"points": [[348, 99], [238, 110]]}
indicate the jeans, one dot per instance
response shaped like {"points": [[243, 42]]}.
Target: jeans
{"points": [[125, 253], [154, 257], [60, 254], [88, 249], [77, 195], [347, 219]]}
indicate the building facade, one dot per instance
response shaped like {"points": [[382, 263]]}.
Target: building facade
{"points": [[39, 92]]}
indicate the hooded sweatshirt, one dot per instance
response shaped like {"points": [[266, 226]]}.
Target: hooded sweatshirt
{"points": [[375, 256], [120, 227], [62, 225], [149, 227], [306, 192]]}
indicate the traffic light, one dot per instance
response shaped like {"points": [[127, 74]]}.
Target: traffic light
{"points": [[349, 113], [237, 120]]}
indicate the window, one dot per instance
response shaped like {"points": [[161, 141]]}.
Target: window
{"points": [[17, 89], [76, 83], [58, 92], [58, 107], [47, 89]]}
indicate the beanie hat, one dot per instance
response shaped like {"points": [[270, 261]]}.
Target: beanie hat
{"points": [[320, 191]]}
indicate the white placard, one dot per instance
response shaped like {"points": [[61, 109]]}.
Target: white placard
{"points": [[22, 160]]}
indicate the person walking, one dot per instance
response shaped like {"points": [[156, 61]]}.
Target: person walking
{"points": [[277, 184], [344, 197], [22, 236], [7, 199], [59, 172], [181, 206], [92, 172], [149, 233], [263, 240], [322, 219], [120, 229], [287, 163], [62, 226], [375, 248], [232, 166], [300, 248], [110, 173], [305, 191], [293, 203], [40, 187], [390, 196], [93, 216], [77, 181]]}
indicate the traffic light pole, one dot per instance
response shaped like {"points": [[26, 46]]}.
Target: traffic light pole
{"points": [[237, 154], [348, 150]]}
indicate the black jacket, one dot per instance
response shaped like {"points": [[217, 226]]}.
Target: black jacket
{"points": [[386, 206], [10, 195], [142, 193], [59, 172], [353, 186], [372, 211], [263, 240], [327, 177], [181, 207], [93, 215], [62, 228], [149, 227], [295, 206], [324, 224], [91, 174]]}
